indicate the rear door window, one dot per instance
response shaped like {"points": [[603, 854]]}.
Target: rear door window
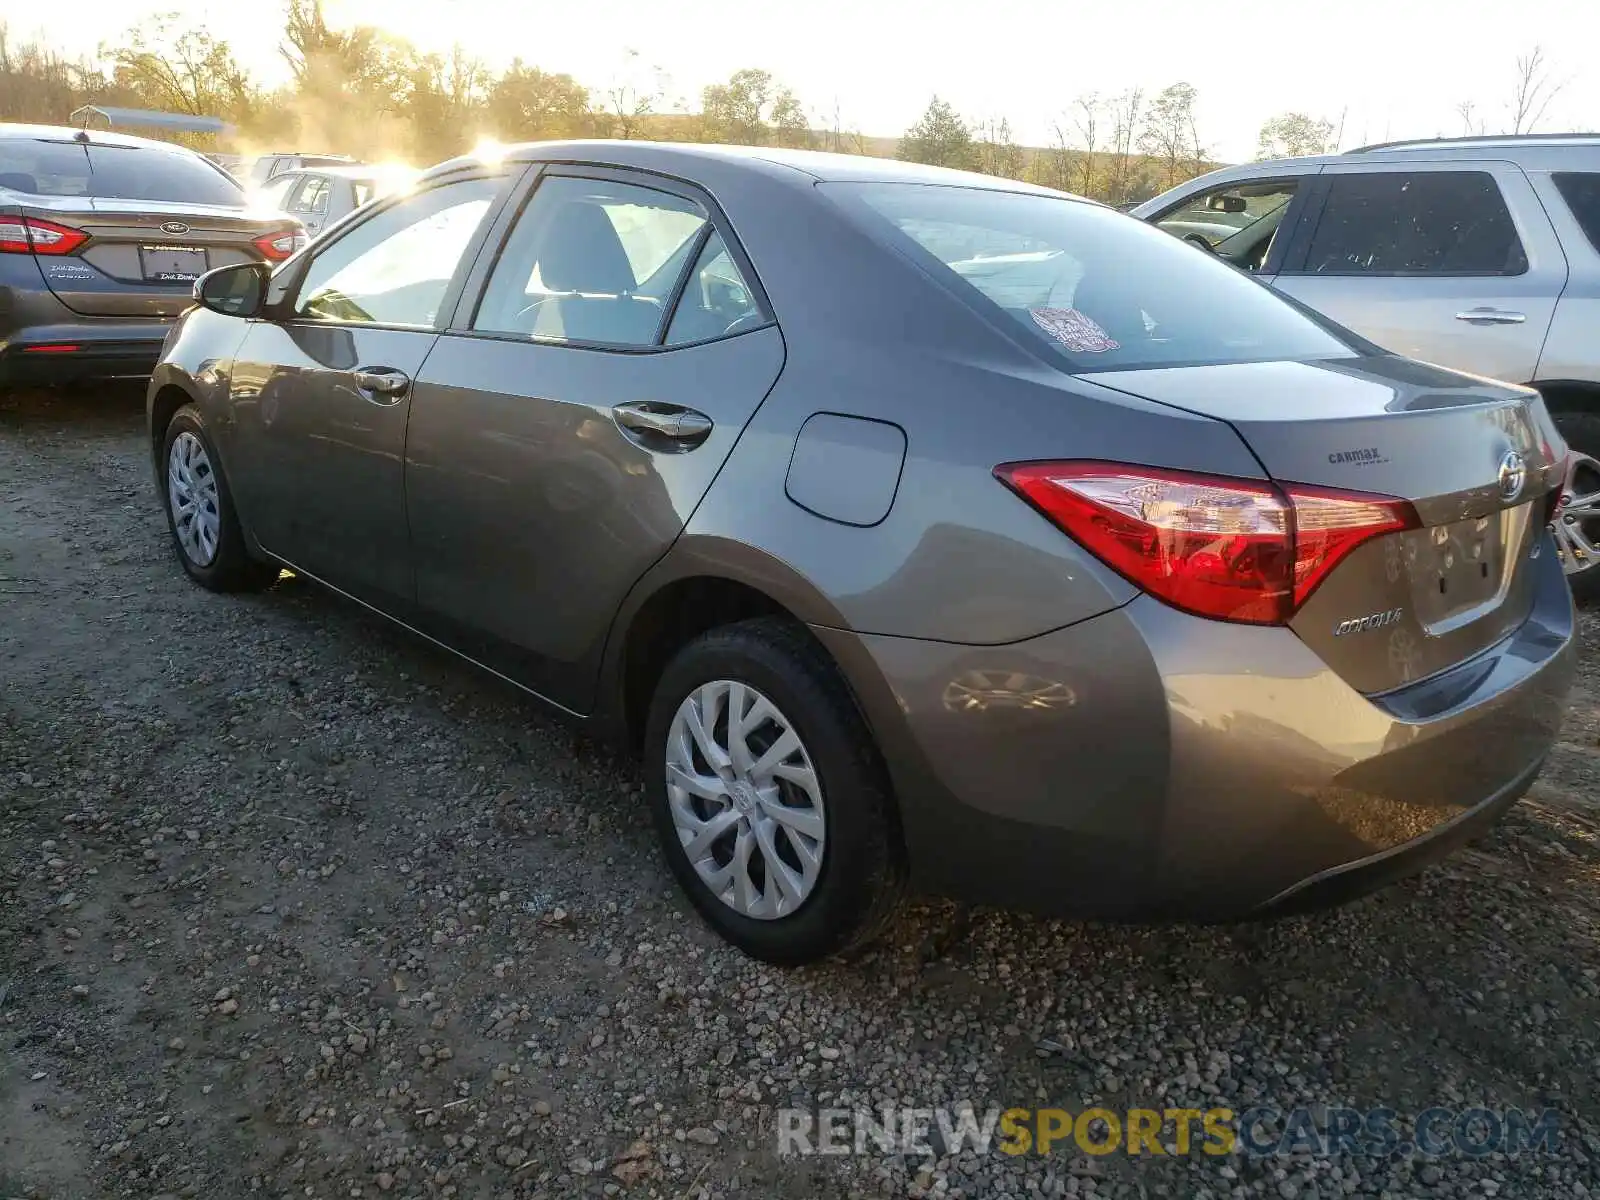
{"points": [[1102, 290], [1581, 191], [49, 168], [1415, 223], [716, 300]]}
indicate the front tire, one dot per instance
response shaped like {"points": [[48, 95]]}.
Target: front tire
{"points": [[769, 798], [200, 515]]}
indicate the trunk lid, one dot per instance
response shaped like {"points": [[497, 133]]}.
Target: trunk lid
{"points": [[142, 256], [1477, 459]]}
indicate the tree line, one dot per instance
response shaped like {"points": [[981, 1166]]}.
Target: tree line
{"points": [[365, 92]]}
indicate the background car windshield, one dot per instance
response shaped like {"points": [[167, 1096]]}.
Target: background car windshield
{"points": [[113, 172], [1105, 290]]}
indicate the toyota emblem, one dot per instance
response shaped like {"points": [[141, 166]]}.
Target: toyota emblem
{"points": [[1513, 475], [175, 228]]}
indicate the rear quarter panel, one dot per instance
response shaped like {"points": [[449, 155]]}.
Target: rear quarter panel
{"points": [[959, 557]]}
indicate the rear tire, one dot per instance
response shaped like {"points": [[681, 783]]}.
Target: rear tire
{"points": [[1582, 433], [830, 793], [205, 529]]}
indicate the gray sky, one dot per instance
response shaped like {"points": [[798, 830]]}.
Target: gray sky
{"points": [[1391, 68]]}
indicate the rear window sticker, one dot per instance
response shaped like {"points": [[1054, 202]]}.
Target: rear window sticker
{"points": [[1073, 330]]}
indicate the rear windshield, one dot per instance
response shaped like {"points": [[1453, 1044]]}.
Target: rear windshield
{"points": [[1104, 290], [114, 172], [1581, 191]]}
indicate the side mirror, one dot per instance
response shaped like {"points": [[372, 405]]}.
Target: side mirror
{"points": [[236, 291]]}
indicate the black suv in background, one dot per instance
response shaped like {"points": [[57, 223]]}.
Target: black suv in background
{"points": [[102, 236]]}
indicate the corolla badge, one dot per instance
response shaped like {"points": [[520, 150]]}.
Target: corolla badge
{"points": [[1513, 475], [175, 228], [1378, 620]]}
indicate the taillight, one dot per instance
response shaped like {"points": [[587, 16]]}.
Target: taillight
{"points": [[1230, 549], [29, 235], [275, 247]]}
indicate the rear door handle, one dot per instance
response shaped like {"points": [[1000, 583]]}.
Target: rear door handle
{"points": [[663, 426], [1492, 316], [385, 385]]}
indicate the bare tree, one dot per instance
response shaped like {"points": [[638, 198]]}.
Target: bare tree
{"points": [[1534, 90], [1086, 111], [1169, 131], [1471, 122], [1125, 111], [633, 95]]}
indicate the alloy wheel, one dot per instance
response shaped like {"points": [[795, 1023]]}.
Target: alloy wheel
{"points": [[192, 496], [1577, 520], [745, 800]]}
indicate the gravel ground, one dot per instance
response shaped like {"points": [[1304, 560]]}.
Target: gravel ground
{"points": [[291, 904]]}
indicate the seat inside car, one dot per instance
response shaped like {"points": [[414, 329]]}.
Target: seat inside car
{"points": [[589, 280]]}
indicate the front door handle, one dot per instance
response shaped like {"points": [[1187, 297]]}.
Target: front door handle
{"points": [[385, 385], [1492, 316], [663, 426]]}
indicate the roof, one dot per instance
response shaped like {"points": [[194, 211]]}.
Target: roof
{"points": [[1510, 141], [93, 137], [688, 158], [340, 171]]}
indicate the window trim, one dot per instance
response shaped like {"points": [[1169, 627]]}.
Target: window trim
{"points": [[1298, 255], [477, 284], [282, 306]]}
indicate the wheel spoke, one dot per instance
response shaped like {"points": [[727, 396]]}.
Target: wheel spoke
{"points": [[776, 754], [790, 887], [808, 823], [707, 787], [703, 832]]}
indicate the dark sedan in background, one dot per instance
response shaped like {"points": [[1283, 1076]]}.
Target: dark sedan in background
{"points": [[102, 236]]}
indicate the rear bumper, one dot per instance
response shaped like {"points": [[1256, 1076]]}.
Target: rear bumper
{"points": [[1150, 764], [85, 349]]}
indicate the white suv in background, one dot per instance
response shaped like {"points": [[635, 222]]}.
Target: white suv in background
{"points": [[1481, 254]]}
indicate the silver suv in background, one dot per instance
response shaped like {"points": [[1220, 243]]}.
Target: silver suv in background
{"points": [[1481, 254], [319, 196], [266, 167]]}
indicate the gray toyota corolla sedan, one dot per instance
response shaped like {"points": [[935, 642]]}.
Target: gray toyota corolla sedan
{"points": [[914, 527]]}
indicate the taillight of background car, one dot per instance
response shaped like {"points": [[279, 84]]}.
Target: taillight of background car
{"points": [[275, 247], [1229, 549]]}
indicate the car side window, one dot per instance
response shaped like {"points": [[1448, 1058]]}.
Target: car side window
{"points": [[313, 197], [716, 301], [1415, 223], [395, 268], [1581, 191], [1236, 221], [592, 261]]}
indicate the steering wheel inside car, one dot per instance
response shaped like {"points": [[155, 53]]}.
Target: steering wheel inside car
{"points": [[1199, 239]]}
